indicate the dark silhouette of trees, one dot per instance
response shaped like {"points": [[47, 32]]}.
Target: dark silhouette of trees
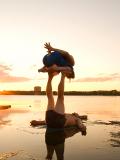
{"points": [[81, 93]]}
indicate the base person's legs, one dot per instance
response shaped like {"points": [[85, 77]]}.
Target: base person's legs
{"points": [[50, 105], [59, 107]]}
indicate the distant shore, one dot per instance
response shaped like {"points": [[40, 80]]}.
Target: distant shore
{"points": [[86, 93]]}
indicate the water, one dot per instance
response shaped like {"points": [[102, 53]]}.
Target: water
{"points": [[20, 141]]}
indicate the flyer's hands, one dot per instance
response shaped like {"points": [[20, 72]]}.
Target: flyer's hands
{"points": [[48, 47]]}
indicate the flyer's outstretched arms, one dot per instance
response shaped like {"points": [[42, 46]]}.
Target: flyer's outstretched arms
{"points": [[64, 53]]}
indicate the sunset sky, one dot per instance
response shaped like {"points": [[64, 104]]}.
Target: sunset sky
{"points": [[87, 29]]}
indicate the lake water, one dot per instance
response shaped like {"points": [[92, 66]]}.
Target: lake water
{"points": [[20, 141]]}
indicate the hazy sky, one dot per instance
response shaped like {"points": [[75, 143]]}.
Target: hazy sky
{"points": [[87, 29]]}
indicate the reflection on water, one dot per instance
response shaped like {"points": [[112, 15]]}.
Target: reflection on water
{"points": [[103, 129], [115, 139], [114, 135], [115, 142], [55, 141], [116, 123], [4, 122], [8, 112]]}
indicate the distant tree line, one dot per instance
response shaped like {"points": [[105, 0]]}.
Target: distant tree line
{"points": [[86, 93]]}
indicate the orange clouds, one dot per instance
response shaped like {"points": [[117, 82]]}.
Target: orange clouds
{"points": [[111, 77], [6, 77]]}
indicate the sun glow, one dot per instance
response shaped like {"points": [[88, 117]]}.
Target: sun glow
{"points": [[94, 42]]}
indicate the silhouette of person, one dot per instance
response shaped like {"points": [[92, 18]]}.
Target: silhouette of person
{"points": [[55, 114], [55, 141]]}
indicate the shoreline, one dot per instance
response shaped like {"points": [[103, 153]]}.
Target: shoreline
{"points": [[69, 93]]}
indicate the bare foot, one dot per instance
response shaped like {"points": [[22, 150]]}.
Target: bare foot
{"points": [[55, 73], [52, 74], [43, 69], [53, 68]]}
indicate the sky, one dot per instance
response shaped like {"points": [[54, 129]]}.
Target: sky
{"points": [[87, 29]]}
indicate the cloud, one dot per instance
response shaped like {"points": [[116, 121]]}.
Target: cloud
{"points": [[4, 67], [6, 77], [111, 77]]}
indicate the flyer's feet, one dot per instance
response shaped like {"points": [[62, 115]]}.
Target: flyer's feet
{"points": [[53, 68], [43, 69], [52, 74]]}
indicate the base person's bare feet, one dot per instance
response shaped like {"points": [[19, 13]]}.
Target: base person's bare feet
{"points": [[53, 68]]}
